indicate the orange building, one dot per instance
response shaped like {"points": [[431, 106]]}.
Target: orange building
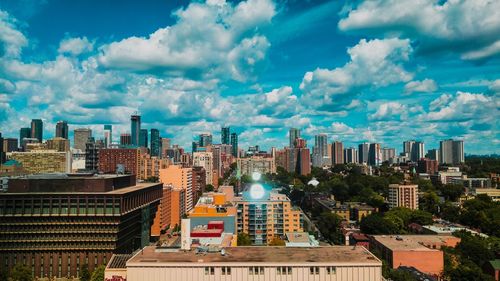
{"points": [[150, 166], [420, 251], [163, 218], [180, 178]]}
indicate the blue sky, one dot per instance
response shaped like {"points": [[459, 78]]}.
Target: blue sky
{"points": [[378, 71]]}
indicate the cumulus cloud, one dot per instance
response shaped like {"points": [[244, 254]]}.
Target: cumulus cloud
{"points": [[209, 40], [390, 110], [75, 46], [423, 86], [471, 27], [462, 107], [11, 39], [375, 63]]}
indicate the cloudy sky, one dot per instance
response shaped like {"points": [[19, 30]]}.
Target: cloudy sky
{"points": [[378, 71]]}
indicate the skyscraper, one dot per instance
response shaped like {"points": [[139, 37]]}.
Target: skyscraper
{"points": [[143, 138], [125, 139], [294, 133], [24, 133], [80, 137], [155, 143], [62, 129], [234, 144], [415, 150], [108, 135], [407, 147], [337, 153], [37, 129], [375, 154], [225, 135], [363, 150], [451, 152], [320, 151], [205, 139], [135, 128], [350, 155], [2, 157], [388, 153], [433, 154]]}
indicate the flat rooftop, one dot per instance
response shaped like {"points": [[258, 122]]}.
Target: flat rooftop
{"points": [[253, 255], [297, 237], [412, 242]]}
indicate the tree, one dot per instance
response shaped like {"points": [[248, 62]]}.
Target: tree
{"points": [[429, 202], [4, 274], [277, 242], [85, 273], [21, 272], [452, 191], [377, 224], [421, 217], [244, 240], [209, 188], [98, 274], [329, 225]]}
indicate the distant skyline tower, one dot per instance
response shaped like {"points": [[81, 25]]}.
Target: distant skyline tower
{"points": [[2, 154], [363, 150], [351, 155], [24, 133], [143, 138], [321, 144], [375, 154], [225, 135], [62, 129], [155, 143], [294, 133], [135, 129], [108, 135], [37, 129], [337, 153], [125, 139], [80, 137], [234, 144], [451, 152], [205, 139]]}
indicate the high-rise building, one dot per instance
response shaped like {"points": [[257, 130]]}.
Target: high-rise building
{"points": [[150, 166], [180, 178], [156, 143], [388, 154], [135, 129], [62, 129], [320, 151], [205, 160], [37, 129], [225, 135], [263, 165], [205, 139], [80, 138], [351, 155], [143, 138], [125, 139], [58, 144], [2, 153], [108, 135], [451, 152], [119, 160], [234, 144], [165, 144], [414, 149], [402, 195], [337, 153], [407, 147], [10, 145], [375, 154], [363, 152], [92, 154], [24, 133], [294, 133], [433, 154], [56, 224], [427, 166]]}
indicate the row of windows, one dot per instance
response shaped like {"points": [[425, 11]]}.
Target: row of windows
{"points": [[259, 270]]}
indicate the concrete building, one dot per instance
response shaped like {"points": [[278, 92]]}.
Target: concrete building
{"points": [[293, 134], [433, 154], [143, 138], [338, 153], [445, 177], [58, 144], [225, 135], [388, 154], [375, 154], [180, 178], [108, 135], [122, 160], [80, 138], [43, 161], [163, 217], [135, 129], [263, 165], [363, 152], [92, 155], [55, 224], [300, 239], [427, 166], [62, 130], [402, 195], [451, 152], [234, 145], [156, 142], [150, 166], [252, 263], [205, 160], [125, 139], [37, 129], [351, 155]]}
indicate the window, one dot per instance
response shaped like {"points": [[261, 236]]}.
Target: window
{"points": [[226, 270], [209, 270], [330, 270], [314, 270], [284, 270], [256, 270]]}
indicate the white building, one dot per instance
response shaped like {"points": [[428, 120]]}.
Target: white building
{"points": [[205, 160]]}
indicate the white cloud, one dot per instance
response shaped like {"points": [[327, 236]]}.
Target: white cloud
{"points": [[75, 46], [462, 107], [470, 27], [375, 63], [390, 110], [424, 86], [11, 39], [340, 128]]}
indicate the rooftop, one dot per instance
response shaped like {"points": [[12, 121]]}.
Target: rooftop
{"points": [[259, 255], [118, 260], [412, 242], [297, 237]]}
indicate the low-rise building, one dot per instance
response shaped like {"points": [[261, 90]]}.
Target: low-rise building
{"points": [[300, 239], [263, 165], [43, 161]]}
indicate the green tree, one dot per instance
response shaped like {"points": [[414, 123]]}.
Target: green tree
{"points": [[84, 273], [429, 202], [244, 240], [377, 224], [329, 225], [98, 274], [4, 274], [421, 217], [152, 179], [21, 272], [209, 188], [452, 191]]}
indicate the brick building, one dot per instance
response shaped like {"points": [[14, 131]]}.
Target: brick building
{"points": [[112, 158]]}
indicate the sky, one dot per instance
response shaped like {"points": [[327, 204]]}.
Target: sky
{"points": [[360, 71]]}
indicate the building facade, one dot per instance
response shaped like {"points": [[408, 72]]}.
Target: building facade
{"points": [[402, 195], [121, 160], [205, 160], [80, 138], [451, 152], [262, 165], [62, 129], [37, 129], [337, 153], [43, 161]]}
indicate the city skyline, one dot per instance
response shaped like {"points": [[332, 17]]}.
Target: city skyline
{"points": [[258, 66]]}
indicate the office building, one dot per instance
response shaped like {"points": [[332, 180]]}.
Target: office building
{"points": [[135, 129], [143, 138], [24, 133], [119, 160], [37, 129], [108, 135], [10, 145], [408, 147], [80, 138], [351, 155], [43, 161], [263, 165], [234, 145], [293, 134], [58, 144], [388, 154], [205, 140], [156, 143], [205, 160], [225, 135], [321, 144], [165, 144], [414, 149], [251, 263], [265, 215], [92, 154], [125, 139], [363, 152], [375, 154], [55, 224], [337, 153], [62, 129], [150, 166], [451, 152], [433, 154], [403, 195], [180, 178], [427, 166]]}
